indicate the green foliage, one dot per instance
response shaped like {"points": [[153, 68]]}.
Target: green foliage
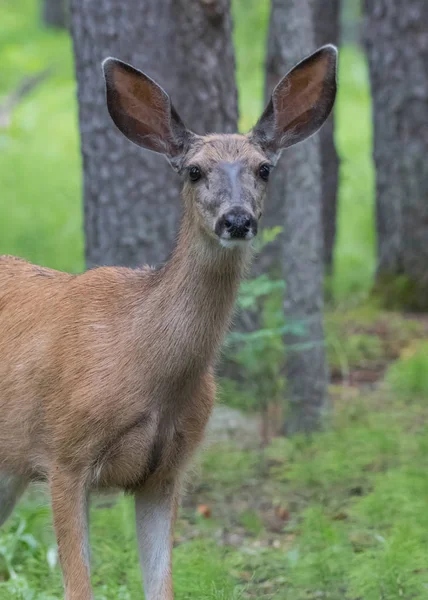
{"points": [[17, 542], [236, 395], [28, 555], [40, 205], [260, 353], [408, 376]]}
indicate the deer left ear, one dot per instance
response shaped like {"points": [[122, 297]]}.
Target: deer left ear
{"points": [[300, 103], [143, 111]]}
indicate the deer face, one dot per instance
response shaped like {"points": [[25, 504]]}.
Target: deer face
{"points": [[225, 181], [226, 175]]}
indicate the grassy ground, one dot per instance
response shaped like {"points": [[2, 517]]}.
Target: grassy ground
{"points": [[340, 516]]}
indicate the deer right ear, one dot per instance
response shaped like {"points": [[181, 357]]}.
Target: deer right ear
{"points": [[143, 112], [300, 103]]}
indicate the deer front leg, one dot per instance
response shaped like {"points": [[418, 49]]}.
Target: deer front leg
{"points": [[156, 510], [70, 516]]}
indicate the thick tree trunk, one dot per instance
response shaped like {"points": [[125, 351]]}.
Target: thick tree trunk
{"points": [[397, 48], [326, 17], [296, 185], [55, 13], [131, 196]]}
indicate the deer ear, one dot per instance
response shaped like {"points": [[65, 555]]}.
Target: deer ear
{"points": [[300, 103], [142, 110]]}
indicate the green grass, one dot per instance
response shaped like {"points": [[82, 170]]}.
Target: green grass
{"points": [[365, 337], [356, 524], [29, 567], [409, 375]]}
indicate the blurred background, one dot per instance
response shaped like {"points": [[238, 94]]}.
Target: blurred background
{"points": [[314, 481]]}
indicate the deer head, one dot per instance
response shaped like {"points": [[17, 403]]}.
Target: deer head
{"points": [[225, 176]]}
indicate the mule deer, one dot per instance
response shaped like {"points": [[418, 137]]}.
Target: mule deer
{"points": [[106, 378]]}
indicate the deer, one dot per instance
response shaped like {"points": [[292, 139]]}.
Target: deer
{"points": [[107, 377]]}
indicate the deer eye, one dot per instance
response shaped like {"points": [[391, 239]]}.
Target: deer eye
{"points": [[194, 174], [264, 171]]}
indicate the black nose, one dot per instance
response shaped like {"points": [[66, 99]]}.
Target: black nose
{"points": [[238, 223]]}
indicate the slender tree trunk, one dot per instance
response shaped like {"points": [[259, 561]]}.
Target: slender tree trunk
{"points": [[55, 13], [326, 15], [296, 185], [131, 196], [397, 48]]}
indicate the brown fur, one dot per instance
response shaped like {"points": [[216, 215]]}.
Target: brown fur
{"points": [[106, 378], [75, 347]]}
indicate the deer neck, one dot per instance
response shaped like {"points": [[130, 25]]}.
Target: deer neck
{"points": [[196, 290]]}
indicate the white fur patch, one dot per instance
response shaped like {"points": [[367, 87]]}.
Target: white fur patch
{"points": [[154, 520]]}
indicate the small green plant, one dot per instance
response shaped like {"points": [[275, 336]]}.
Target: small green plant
{"points": [[17, 541], [260, 353]]}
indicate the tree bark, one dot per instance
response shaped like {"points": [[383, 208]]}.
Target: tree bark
{"points": [[131, 196], [296, 186], [326, 16], [397, 49], [55, 13]]}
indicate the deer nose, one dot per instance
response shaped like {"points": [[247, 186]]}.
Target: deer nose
{"points": [[233, 222], [237, 223]]}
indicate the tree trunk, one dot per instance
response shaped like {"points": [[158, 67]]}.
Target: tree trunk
{"points": [[131, 196], [55, 13], [296, 185], [326, 15], [397, 48]]}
